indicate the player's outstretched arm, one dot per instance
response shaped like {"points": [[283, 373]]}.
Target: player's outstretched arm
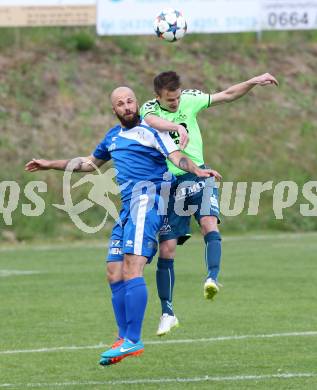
{"points": [[238, 90], [186, 164], [162, 124], [78, 164]]}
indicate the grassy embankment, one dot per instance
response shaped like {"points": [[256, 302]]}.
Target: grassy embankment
{"points": [[54, 86]]}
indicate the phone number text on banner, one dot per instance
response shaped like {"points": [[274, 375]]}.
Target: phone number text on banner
{"points": [[289, 15]]}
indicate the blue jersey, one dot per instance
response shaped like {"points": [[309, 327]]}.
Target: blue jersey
{"points": [[138, 155]]}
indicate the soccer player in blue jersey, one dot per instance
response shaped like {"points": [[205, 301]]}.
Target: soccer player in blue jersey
{"points": [[138, 152]]}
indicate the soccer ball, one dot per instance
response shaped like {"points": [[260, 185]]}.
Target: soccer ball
{"points": [[170, 25]]}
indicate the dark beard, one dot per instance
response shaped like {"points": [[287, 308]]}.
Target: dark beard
{"points": [[129, 123]]}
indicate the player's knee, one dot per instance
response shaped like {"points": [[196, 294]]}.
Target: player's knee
{"points": [[111, 276], [168, 249], [128, 271], [114, 272], [133, 267], [208, 224]]}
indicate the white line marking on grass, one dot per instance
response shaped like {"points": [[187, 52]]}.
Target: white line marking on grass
{"points": [[162, 342], [103, 244], [12, 272], [54, 349], [205, 378], [241, 337]]}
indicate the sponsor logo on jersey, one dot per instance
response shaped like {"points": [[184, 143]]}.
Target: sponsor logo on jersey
{"points": [[129, 243], [112, 147], [141, 134], [116, 251], [166, 228], [181, 117], [188, 191]]}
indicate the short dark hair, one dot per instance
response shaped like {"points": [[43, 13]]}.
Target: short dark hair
{"points": [[166, 80]]}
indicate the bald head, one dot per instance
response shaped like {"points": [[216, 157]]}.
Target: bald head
{"points": [[121, 93], [125, 106]]}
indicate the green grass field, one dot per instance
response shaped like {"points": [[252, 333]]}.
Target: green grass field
{"points": [[269, 293]]}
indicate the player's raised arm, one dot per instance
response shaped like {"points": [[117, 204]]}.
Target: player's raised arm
{"points": [[78, 164], [165, 125], [186, 164], [238, 90]]}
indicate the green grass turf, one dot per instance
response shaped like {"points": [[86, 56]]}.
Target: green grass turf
{"points": [[269, 287]]}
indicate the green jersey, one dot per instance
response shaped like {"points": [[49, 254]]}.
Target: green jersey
{"points": [[191, 103]]}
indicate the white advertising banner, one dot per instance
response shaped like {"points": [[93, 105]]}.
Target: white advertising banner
{"points": [[137, 16], [213, 16], [118, 17], [289, 15]]}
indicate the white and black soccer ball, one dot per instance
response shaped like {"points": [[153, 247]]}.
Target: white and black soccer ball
{"points": [[170, 25]]}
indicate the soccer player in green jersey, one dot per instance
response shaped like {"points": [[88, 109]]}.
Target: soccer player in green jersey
{"points": [[173, 107]]}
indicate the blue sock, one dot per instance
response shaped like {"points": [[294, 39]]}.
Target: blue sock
{"points": [[213, 253], [135, 304], [165, 279], [118, 304]]}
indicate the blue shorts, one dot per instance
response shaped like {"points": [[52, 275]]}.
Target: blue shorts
{"points": [[193, 196], [136, 233]]}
